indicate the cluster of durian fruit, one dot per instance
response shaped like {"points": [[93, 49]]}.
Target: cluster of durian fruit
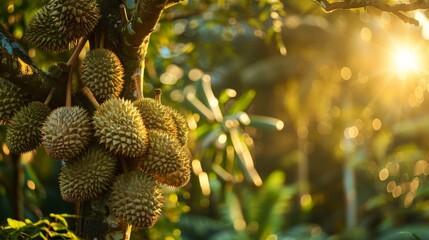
{"points": [[121, 150]]}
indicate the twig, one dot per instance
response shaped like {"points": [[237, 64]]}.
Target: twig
{"points": [[158, 93], [70, 65], [123, 14], [138, 85], [49, 97], [403, 7], [396, 9], [406, 19], [77, 51], [69, 87], [87, 92]]}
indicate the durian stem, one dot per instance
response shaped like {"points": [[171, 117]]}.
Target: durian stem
{"points": [[49, 97], [123, 13], [87, 92], [158, 93], [124, 165], [138, 83], [70, 64], [102, 39], [69, 87], [77, 207], [127, 234], [77, 51]]}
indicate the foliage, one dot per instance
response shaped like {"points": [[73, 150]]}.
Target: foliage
{"points": [[54, 227]]}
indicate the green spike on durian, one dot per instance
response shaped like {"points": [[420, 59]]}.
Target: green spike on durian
{"points": [[180, 177], [66, 132], [103, 73], [43, 33], [163, 155], [155, 115], [75, 18], [23, 133], [11, 100], [136, 198], [119, 127], [182, 127], [88, 176]]}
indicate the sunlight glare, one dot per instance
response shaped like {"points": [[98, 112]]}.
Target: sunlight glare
{"points": [[405, 61]]}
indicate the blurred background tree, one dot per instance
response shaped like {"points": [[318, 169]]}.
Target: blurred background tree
{"points": [[348, 87]]}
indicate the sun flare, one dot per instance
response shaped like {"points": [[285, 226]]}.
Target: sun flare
{"points": [[405, 61]]}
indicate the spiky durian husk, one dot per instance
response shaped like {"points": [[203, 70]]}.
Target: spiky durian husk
{"points": [[43, 33], [11, 100], [76, 18], [182, 127], [163, 155], [136, 199], [23, 133], [180, 177], [66, 132], [156, 115], [119, 127], [88, 176], [103, 73]]}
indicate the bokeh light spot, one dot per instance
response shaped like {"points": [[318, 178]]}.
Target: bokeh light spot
{"points": [[376, 124], [31, 185], [384, 174], [346, 73], [391, 186]]}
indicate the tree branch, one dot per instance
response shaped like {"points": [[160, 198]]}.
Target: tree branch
{"points": [[138, 22], [144, 16], [396, 9]]}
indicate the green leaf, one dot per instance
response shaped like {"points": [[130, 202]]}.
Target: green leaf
{"points": [[58, 227], [243, 102], [42, 222], [226, 95], [266, 123], [15, 223], [407, 232], [38, 235], [60, 218]]}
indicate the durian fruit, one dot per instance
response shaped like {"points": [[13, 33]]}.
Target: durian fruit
{"points": [[23, 133], [136, 198], [88, 176], [11, 100], [163, 155], [43, 33], [66, 132], [155, 115], [120, 128], [76, 18], [180, 177], [103, 73], [182, 127]]}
